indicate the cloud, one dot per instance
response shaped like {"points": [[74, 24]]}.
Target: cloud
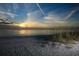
{"points": [[36, 15], [41, 10], [15, 7], [52, 17], [32, 19], [70, 14], [50, 20], [33, 16], [7, 13], [53, 20]]}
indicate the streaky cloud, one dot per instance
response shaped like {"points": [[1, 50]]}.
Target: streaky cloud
{"points": [[40, 9], [8, 13], [70, 14]]}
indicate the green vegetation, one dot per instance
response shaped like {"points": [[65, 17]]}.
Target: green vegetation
{"points": [[65, 37]]}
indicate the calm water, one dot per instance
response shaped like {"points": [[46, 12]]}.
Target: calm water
{"points": [[24, 32], [29, 32]]}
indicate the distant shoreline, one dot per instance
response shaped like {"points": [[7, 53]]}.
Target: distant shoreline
{"points": [[11, 27]]}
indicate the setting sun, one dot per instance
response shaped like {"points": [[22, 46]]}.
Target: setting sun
{"points": [[22, 25], [32, 24], [25, 25]]}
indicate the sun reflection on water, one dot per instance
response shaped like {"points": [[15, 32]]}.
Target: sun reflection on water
{"points": [[24, 32]]}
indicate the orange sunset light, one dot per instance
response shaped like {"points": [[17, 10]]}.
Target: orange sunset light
{"points": [[32, 24]]}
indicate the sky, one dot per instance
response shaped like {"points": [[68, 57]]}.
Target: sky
{"points": [[39, 12]]}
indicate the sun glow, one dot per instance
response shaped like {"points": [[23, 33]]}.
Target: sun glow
{"points": [[22, 25], [26, 25], [32, 24]]}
